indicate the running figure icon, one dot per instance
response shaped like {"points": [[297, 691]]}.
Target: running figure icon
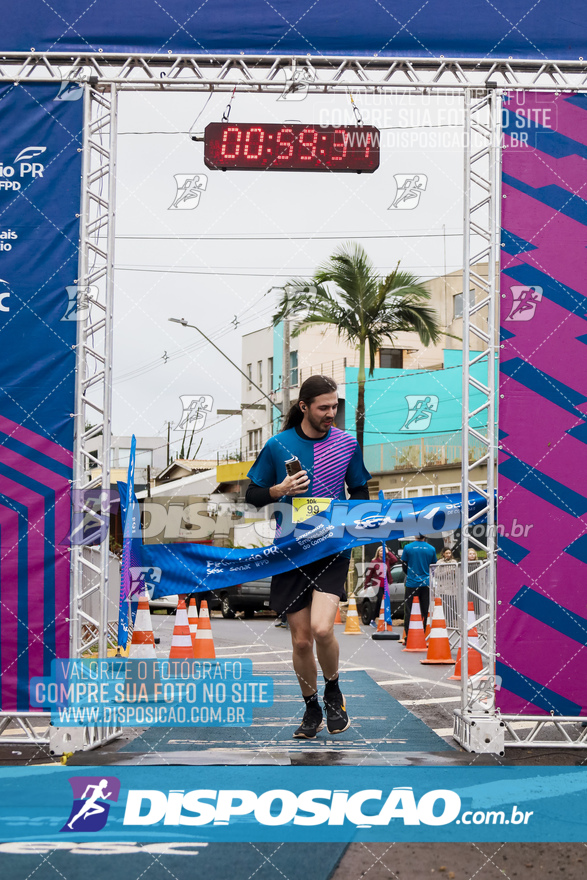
{"points": [[421, 408], [90, 807], [524, 302], [409, 190]]}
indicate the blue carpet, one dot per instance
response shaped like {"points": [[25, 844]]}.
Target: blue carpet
{"points": [[120, 861], [378, 723]]}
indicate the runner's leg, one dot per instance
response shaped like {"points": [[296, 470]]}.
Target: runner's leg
{"points": [[302, 642], [424, 596], [323, 612]]}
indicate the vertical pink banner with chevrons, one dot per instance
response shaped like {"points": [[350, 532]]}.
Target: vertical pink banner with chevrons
{"points": [[542, 508]]}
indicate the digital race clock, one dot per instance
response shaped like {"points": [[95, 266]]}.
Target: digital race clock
{"points": [[291, 147]]}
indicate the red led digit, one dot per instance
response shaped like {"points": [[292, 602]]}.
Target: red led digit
{"points": [[261, 134], [308, 146], [237, 143], [367, 144], [337, 146], [288, 144]]}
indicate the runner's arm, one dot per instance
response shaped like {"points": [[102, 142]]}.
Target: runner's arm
{"points": [[359, 493], [258, 496]]}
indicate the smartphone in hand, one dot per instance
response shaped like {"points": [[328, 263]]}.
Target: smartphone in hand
{"points": [[293, 466]]}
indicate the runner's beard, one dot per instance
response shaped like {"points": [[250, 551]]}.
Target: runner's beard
{"points": [[321, 425]]}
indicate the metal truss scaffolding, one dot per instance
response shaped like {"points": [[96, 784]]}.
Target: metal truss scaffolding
{"points": [[478, 726], [92, 436], [267, 73]]}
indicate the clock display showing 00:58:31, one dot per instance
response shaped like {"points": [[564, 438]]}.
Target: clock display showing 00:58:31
{"points": [[291, 147]]}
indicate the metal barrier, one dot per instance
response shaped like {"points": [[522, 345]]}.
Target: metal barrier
{"points": [[445, 578]]}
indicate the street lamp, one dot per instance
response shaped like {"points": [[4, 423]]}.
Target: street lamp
{"points": [[184, 323]]}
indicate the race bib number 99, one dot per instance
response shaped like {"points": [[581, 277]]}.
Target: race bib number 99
{"points": [[304, 508]]}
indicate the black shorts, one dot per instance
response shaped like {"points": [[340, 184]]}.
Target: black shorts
{"points": [[292, 590]]}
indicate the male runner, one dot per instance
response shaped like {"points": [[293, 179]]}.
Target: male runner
{"points": [[310, 594]]}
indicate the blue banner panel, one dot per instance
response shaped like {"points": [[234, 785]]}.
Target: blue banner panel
{"points": [[477, 29], [330, 804], [40, 173], [168, 569]]}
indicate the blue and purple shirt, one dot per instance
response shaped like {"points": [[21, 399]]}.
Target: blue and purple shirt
{"points": [[331, 461]]}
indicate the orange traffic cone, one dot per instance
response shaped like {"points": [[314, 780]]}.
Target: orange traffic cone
{"points": [[338, 618], [382, 626], [143, 640], [204, 649], [352, 627], [416, 641], [438, 645], [474, 658], [193, 621], [181, 641]]}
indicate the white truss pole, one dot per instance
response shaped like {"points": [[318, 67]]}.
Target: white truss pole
{"points": [[477, 726], [89, 629]]}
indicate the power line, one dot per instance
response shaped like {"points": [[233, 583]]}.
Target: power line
{"points": [[173, 271], [285, 237]]}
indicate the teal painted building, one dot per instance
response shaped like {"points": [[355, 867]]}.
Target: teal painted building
{"points": [[413, 417]]}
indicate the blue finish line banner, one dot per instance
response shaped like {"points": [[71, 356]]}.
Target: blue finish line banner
{"points": [[168, 569], [218, 804]]}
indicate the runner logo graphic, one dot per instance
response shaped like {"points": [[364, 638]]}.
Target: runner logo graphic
{"points": [[78, 302], [296, 84], [409, 189], [421, 408], [143, 578], [525, 300], [195, 410], [72, 85], [90, 808], [189, 190]]}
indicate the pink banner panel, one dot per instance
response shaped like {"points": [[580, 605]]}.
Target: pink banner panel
{"points": [[542, 508]]}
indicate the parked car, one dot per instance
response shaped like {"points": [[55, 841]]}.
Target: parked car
{"points": [[366, 597], [166, 603], [248, 597]]}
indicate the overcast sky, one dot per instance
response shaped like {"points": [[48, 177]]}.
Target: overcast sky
{"points": [[252, 230]]}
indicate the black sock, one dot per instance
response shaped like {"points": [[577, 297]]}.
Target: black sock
{"points": [[331, 685], [312, 700]]}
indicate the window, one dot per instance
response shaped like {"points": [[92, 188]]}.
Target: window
{"points": [[458, 303], [254, 442], [250, 375], [270, 373], [260, 374], [393, 493], [143, 458], [391, 358], [293, 368], [449, 489], [419, 491]]}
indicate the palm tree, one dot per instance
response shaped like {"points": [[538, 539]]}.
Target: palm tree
{"points": [[365, 307]]}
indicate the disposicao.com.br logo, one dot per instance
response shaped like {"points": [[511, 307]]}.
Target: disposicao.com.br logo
{"points": [[364, 809]]}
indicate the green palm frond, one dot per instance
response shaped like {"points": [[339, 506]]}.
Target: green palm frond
{"points": [[367, 309]]}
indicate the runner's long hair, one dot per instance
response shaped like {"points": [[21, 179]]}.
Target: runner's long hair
{"points": [[310, 390]]}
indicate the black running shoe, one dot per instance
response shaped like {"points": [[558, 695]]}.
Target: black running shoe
{"points": [[337, 719], [312, 722]]}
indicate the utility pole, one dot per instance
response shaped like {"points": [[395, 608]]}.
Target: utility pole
{"points": [[286, 377], [168, 441]]}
